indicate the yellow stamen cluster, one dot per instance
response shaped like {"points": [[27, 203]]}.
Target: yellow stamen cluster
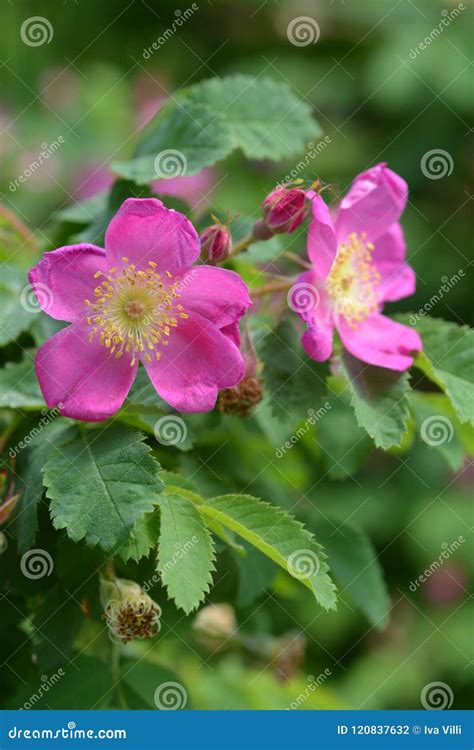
{"points": [[353, 280], [134, 310]]}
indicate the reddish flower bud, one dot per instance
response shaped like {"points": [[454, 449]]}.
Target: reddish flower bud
{"points": [[284, 209], [216, 243]]}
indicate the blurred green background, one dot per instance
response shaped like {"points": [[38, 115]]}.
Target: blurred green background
{"points": [[378, 97]]}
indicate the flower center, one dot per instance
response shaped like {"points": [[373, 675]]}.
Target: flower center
{"points": [[134, 311], [353, 279]]}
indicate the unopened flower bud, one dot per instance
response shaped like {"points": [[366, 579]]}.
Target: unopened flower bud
{"points": [[215, 624], [284, 209], [241, 400], [216, 243], [128, 611]]}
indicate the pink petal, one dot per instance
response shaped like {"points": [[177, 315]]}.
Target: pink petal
{"points": [[375, 200], [82, 376], [317, 342], [64, 278], [398, 279], [381, 341], [309, 300], [215, 293], [322, 245], [198, 361], [144, 230]]}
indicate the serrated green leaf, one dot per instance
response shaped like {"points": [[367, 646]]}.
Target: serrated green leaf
{"points": [[100, 483], [354, 562], [29, 468], [185, 553], [294, 384], [19, 387], [448, 360], [379, 399], [279, 536], [143, 538], [206, 122]]}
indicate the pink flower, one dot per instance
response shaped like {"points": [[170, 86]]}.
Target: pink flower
{"points": [[358, 264], [138, 300]]}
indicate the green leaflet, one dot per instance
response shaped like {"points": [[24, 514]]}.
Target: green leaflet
{"points": [[279, 536], [448, 360], [354, 562], [206, 122], [379, 399], [186, 552], [100, 483]]}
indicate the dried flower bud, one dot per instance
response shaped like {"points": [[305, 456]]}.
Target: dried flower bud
{"points": [[215, 624], [241, 400], [284, 209], [128, 610], [216, 243]]}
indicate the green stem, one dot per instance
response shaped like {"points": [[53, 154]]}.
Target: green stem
{"points": [[242, 245], [117, 673], [277, 286]]}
